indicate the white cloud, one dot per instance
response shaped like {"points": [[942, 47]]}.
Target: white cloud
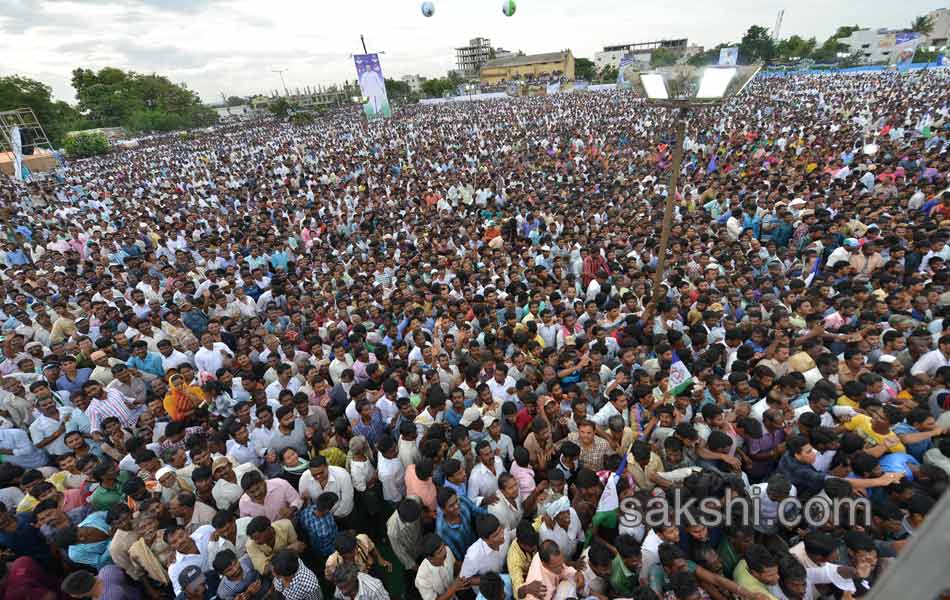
{"points": [[234, 45]]}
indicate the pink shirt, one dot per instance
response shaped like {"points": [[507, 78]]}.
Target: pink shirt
{"points": [[425, 490], [537, 572], [280, 494], [525, 477]]}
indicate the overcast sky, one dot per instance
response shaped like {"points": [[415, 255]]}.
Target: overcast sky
{"points": [[234, 45]]}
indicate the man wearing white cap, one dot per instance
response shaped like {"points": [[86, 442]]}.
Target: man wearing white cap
{"points": [[561, 524]]}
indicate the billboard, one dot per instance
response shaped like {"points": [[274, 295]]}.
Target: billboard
{"points": [[905, 45], [625, 71], [729, 56], [372, 85]]}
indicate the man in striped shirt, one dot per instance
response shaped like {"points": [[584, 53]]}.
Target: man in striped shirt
{"points": [[109, 402]]}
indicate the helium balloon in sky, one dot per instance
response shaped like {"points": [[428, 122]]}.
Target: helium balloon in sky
{"points": [[428, 9], [508, 7]]}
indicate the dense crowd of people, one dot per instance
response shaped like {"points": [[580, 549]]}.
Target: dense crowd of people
{"points": [[424, 357]]}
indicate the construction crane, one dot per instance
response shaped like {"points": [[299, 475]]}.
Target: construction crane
{"points": [[778, 26], [283, 83]]}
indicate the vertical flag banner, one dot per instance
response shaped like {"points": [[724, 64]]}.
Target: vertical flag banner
{"points": [[624, 81], [372, 85], [905, 45], [17, 146], [680, 377], [729, 56]]}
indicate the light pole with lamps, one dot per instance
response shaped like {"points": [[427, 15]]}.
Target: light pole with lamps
{"points": [[684, 88]]}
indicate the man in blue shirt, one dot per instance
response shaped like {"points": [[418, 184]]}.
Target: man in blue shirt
{"points": [[145, 361], [454, 521], [318, 523]]}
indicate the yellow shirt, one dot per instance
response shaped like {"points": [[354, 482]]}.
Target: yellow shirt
{"points": [[845, 401], [518, 563], [861, 424], [284, 535], [27, 504], [744, 578]]}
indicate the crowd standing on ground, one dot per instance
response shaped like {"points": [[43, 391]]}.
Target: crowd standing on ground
{"points": [[424, 357]]}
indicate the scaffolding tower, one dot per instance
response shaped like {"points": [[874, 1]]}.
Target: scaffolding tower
{"points": [[31, 131]]}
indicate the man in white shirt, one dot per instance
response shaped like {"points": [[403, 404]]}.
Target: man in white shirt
{"points": [[320, 478], [483, 480], [927, 365], [49, 428], [500, 443], [212, 355], [171, 358], [19, 449], [501, 385], [189, 550], [566, 531], [227, 490], [391, 471], [285, 381], [489, 554], [230, 534]]}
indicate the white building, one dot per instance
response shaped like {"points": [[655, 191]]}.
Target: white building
{"points": [[874, 45], [415, 82], [240, 112], [640, 52], [940, 35]]}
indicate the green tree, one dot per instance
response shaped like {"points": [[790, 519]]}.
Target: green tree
{"points": [[110, 98], [922, 55], [397, 89], [708, 57], [663, 57], [756, 46], [829, 50], [584, 69], [923, 25], [56, 117], [86, 144], [235, 101], [302, 118], [280, 108], [609, 74], [437, 88], [795, 47]]}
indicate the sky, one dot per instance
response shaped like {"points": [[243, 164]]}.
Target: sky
{"points": [[234, 46]]}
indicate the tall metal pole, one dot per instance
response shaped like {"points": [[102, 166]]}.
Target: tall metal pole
{"points": [[362, 41], [281, 73], [670, 200]]}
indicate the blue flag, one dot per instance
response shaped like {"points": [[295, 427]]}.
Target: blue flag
{"points": [[712, 165], [815, 271]]}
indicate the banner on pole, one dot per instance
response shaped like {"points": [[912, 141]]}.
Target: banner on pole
{"points": [[905, 45], [625, 72], [729, 56], [16, 144], [372, 85]]}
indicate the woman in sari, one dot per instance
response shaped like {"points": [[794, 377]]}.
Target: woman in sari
{"points": [[182, 399]]}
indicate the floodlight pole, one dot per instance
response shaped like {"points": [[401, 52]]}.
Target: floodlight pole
{"points": [[682, 113]]}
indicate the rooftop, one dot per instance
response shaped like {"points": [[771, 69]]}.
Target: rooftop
{"points": [[516, 60]]}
